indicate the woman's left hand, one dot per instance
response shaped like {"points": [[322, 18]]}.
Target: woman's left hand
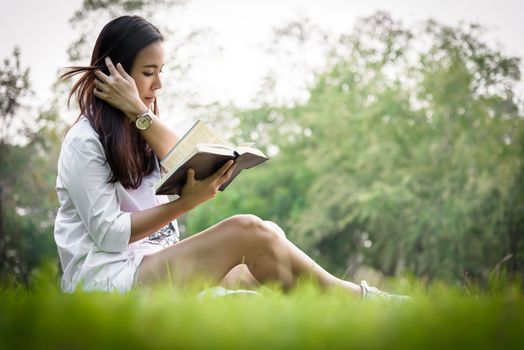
{"points": [[119, 90]]}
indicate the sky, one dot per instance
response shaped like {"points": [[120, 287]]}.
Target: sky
{"points": [[241, 27]]}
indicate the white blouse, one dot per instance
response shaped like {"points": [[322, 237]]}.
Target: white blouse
{"points": [[93, 225]]}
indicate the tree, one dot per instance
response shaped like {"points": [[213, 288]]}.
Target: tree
{"points": [[407, 154], [26, 182]]}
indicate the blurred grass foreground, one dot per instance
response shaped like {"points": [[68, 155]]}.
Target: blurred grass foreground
{"points": [[440, 317]]}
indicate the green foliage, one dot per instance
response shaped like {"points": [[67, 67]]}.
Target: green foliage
{"points": [[27, 176], [441, 317], [29, 205], [407, 156]]}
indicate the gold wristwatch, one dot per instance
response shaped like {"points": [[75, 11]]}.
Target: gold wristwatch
{"points": [[143, 121]]}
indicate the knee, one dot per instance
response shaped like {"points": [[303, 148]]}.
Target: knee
{"points": [[256, 228], [276, 228], [245, 222], [243, 219]]}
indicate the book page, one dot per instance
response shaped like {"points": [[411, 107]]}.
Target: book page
{"points": [[252, 150], [199, 133]]}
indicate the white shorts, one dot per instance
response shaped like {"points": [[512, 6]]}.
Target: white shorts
{"points": [[117, 276]]}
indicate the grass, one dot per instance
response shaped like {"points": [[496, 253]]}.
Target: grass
{"points": [[440, 317]]}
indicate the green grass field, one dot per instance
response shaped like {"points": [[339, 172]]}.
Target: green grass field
{"points": [[441, 317]]}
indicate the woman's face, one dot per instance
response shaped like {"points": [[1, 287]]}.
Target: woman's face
{"points": [[146, 72]]}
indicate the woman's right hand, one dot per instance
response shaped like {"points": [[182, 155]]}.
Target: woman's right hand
{"points": [[196, 192], [119, 90]]}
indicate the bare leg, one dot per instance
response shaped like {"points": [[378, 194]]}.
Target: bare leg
{"points": [[211, 254], [239, 277]]}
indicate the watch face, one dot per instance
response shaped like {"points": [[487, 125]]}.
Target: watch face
{"points": [[143, 122]]}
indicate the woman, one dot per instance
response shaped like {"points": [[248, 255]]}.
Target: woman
{"points": [[111, 230]]}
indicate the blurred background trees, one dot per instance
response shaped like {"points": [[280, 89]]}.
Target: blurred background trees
{"points": [[28, 153], [406, 154]]}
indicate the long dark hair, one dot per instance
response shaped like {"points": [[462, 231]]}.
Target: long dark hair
{"points": [[128, 154]]}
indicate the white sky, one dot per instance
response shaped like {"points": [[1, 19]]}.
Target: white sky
{"points": [[42, 31]]}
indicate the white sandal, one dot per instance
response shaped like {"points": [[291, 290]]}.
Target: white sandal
{"points": [[218, 292], [369, 292]]}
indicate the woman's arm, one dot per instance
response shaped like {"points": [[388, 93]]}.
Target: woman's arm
{"points": [[145, 222], [194, 193], [159, 136]]}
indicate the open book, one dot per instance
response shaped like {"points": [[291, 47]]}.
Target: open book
{"points": [[205, 152]]}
